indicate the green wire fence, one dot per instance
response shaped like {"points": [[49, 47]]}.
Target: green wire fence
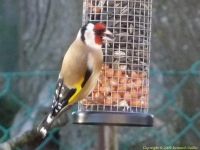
{"points": [[11, 103]]}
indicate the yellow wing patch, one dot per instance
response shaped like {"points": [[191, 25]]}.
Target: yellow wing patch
{"points": [[78, 88]]}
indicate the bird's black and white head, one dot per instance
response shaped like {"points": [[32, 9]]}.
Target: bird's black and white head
{"points": [[95, 34]]}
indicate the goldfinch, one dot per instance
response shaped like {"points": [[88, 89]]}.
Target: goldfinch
{"points": [[80, 70]]}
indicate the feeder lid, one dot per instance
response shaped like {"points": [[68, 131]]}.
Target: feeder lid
{"points": [[112, 118]]}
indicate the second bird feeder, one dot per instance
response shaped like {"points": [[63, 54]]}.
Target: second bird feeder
{"points": [[121, 96]]}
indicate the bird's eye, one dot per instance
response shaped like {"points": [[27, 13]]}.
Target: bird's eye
{"points": [[99, 32]]}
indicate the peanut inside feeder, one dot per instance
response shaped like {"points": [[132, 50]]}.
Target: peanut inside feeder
{"points": [[123, 86], [119, 89]]}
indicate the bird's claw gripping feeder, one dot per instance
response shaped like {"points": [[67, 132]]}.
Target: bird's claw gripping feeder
{"points": [[121, 96]]}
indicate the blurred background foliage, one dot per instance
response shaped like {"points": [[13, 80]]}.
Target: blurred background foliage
{"points": [[33, 37]]}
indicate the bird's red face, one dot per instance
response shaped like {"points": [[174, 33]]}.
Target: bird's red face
{"points": [[94, 35], [99, 29], [101, 34]]}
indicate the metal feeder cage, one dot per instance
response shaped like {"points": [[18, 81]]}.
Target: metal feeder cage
{"points": [[121, 96]]}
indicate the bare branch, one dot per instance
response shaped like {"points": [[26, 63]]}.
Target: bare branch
{"points": [[33, 136]]}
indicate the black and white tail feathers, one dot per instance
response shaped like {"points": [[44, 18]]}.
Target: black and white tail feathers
{"points": [[59, 101]]}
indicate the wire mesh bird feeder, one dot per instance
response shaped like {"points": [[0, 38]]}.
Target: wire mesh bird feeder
{"points": [[121, 96]]}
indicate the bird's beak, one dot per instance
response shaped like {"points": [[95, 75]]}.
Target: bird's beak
{"points": [[108, 36]]}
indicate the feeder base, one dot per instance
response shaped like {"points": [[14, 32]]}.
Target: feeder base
{"points": [[112, 118]]}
